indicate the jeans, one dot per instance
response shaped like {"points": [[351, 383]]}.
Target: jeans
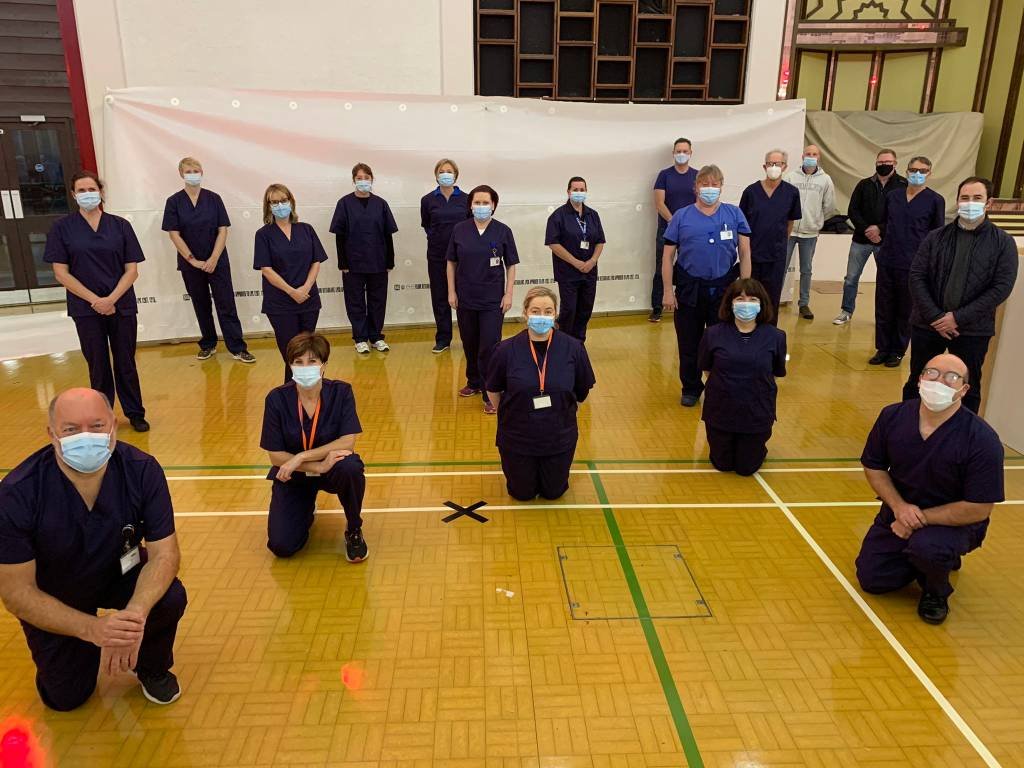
{"points": [[807, 246], [855, 263]]}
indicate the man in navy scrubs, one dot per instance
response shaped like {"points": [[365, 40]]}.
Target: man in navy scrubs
{"points": [[771, 206], [673, 190], [938, 470], [73, 520]]}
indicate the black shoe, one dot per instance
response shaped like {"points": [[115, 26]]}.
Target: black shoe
{"points": [[932, 608], [206, 354], [893, 361], [139, 424], [655, 316], [878, 359], [355, 546], [244, 357], [160, 689], [688, 401], [806, 314], [440, 347]]}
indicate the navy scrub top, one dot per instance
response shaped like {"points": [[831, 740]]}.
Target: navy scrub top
{"points": [[708, 246], [568, 380], [365, 231], [769, 219], [197, 224], [480, 263], [97, 259], [292, 260], [568, 230], [438, 218], [77, 551], [680, 188], [907, 223]]}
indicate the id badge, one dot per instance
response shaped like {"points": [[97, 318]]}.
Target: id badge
{"points": [[541, 402], [495, 261], [584, 245], [130, 559], [725, 234]]}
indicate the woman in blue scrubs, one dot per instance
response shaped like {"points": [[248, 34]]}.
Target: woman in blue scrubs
{"points": [[197, 223], [364, 231], [482, 260], [288, 253], [95, 256], [743, 355], [537, 380], [440, 210]]}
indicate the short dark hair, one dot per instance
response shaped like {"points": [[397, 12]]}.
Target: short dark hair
{"points": [[989, 187], [84, 175], [489, 190], [749, 287], [308, 341], [573, 180], [920, 159], [885, 151], [681, 140], [361, 167]]}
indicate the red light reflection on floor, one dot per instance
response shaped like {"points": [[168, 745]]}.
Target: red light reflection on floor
{"points": [[352, 677], [19, 747]]}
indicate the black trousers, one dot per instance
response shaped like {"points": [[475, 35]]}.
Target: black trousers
{"points": [[658, 283], [292, 504], [577, 299], [690, 323], [66, 667], [480, 330], [528, 476], [772, 275], [737, 452], [103, 337], [286, 328], [366, 301], [926, 344], [892, 310], [437, 271], [200, 285]]}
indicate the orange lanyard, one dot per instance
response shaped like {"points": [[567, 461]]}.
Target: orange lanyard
{"points": [[308, 443], [542, 372]]}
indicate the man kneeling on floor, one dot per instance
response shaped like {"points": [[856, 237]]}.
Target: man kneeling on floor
{"points": [[73, 519], [938, 470]]}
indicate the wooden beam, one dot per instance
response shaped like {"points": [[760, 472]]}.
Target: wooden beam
{"points": [[995, 11]]}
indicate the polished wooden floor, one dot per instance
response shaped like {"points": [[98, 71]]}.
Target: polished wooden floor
{"points": [[660, 614]]}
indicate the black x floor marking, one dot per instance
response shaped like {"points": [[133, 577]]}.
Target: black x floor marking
{"points": [[469, 511]]}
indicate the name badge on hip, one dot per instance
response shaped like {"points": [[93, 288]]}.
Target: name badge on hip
{"points": [[495, 261], [584, 245], [130, 559], [541, 402], [725, 234]]}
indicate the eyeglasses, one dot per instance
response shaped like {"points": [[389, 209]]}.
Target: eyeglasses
{"points": [[952, 378], [919, 170], [779, 164]]}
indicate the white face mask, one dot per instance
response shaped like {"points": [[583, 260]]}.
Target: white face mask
{"points": [[773, 172], [935, 395]]}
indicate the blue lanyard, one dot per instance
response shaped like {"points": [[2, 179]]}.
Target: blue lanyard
{"points": [[583, 226]]}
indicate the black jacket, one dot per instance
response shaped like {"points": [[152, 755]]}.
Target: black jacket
{"points": [[867, 204], [990, 278]]}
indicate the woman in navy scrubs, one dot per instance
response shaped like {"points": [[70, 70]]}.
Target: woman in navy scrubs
{"points": [[197, 222], [482, 260], [576, 239], [440, 210], [537, 379], [743, 355], [364, 230], [309, 429], [288, 253], [95, 256]]}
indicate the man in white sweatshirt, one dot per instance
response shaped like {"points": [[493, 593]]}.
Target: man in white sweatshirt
{"points": [[817, 202]]}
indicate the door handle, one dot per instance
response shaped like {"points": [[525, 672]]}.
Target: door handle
{"points": [[16, 203], [5, 196]]}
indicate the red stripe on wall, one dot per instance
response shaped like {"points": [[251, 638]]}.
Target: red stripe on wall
{"points": [[76, 83]]}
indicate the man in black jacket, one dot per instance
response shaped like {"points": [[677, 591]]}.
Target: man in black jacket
{"points": [[960, 275]]}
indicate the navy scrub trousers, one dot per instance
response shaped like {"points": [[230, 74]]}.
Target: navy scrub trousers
{"points": [[200, 285], [102, 337], [480, 330], [287, 327], [366, 301], [527, 476]]}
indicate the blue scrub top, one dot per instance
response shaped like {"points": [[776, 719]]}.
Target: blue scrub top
{"points": [[197, 224], [962, 460], [97, 259], [703, 252], [480, 263], [365, 230], [907, 223], [680, 188], [740, 393], [568, 230], [568, 380], [76, 550], [438, 218], [769, 219], [292, 260]]}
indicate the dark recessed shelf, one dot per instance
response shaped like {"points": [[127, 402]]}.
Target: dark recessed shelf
{"points": [[535, 93], [497, 69], [688, 73], [613, 72], [498, 28], [726, 78], [688, 94], [537, 28], [614, 29], [575, 63], [576, 6], [651, 73], [691, 33], [537, 71], [650, 30], [732, 7], [613, 94], [576, 29], [497, 5], [730, 32]]}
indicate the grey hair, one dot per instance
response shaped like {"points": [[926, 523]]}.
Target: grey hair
{"points": [[784, 153], [53, 404]]}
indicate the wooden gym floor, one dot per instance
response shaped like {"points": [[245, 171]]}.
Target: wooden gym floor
{"points": [[660, 614]]}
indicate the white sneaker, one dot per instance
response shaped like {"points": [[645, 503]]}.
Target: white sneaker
{"points": [[381, 346], [842, 318], [362, 348]]}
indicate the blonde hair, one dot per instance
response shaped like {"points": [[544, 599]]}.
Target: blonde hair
{"points": [[445, 161], [188, 161], [538, 292], [267, 215], [710, 173]]}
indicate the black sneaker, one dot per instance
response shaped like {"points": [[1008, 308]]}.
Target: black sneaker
{"points": [[655, 316], [355, 546], [245, 356], [932, 608], [440, 347], [688, 401], [806, 314], [160, 689], [893, 361], [206, 354], [139, 424], [878, 359]]}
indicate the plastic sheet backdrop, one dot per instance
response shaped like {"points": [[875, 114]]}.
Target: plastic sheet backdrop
{"points": [[525, 149]]}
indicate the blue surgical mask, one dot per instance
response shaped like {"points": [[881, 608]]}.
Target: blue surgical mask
{"points": [[481, 212], [578, 197], [306, 375], [681, 158], [364, 185], [746, 310], [810, 162], [88, 201], [281, 210], [446, 179], [540, 323], [709, 195], [971, 211], [193, 179], [916, 178], [86, 452]]}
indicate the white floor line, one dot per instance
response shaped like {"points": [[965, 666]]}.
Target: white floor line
{"points": [[968, 733]]}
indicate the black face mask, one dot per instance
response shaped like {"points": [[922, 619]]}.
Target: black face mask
{"points": [[884, 169]]}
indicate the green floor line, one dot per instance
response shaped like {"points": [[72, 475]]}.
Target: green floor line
{"points": [[668, 684]]}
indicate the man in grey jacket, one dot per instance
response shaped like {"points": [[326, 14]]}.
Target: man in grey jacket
{"points": [[960, 275], [817, 202]]}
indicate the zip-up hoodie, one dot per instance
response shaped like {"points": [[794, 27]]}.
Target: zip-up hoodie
{"points": [[817, 200]]}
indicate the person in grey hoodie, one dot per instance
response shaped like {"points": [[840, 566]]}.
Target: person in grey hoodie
{"points": [[817, 202]]}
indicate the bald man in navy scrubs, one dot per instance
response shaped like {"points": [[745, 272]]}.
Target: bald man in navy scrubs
{"points": [[86, 523], [938, 470]]}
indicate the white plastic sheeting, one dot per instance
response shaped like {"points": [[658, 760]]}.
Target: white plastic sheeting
{"points": [[525, 149]]}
